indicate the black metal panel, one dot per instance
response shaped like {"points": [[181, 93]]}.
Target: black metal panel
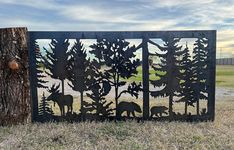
{"points": [[33, 77], [212, 75], [180, 77], [120, 34], [145, 77]]}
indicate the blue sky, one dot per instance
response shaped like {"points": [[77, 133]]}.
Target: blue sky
{"points": [[130, 15]]}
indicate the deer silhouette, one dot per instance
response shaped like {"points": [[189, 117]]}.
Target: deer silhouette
{"points": [[61, 99]]}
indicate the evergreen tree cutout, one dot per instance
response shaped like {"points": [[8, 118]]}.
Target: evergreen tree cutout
{"points": [[200, 52], [99, 104], [170, 66], [44, 109], [81, 70], [56, 60], [39, 68], [119, 60], [186, 93]]}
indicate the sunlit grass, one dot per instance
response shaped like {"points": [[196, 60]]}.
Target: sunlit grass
{"points": [[139, 75], [224, 75]]}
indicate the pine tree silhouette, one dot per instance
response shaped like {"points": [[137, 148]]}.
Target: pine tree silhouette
{"points": [[200, 52], [39, 64], [102, 107], [186, 91], [44, 110], [119, 60], [81, 70], [56, 60], [170, 66]]}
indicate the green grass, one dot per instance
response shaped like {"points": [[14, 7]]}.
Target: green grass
{"points": [[138, 77], [224, 75]]}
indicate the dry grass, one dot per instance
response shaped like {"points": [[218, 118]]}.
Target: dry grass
{"points": [[125, 135]]}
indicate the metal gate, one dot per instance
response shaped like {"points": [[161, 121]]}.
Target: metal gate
{"points": [[158, 75]]}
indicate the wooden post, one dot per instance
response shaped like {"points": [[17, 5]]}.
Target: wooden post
{"points": [[145, 77], [15, 103]]}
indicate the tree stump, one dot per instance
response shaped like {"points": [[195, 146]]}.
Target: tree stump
{"points": [[15, 102]]}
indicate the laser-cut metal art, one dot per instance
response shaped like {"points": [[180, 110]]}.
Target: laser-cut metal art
{"points": [[45, 111], [102, 74], [98, 102], [129, 107], [116, 55], [39, 66], [61, 99], [81, 72], [171, 66]]}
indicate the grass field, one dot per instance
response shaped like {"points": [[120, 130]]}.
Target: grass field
{"points": [[126, 135], [224, 75]]}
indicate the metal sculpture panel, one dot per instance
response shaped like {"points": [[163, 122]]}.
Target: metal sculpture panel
{"points": [[173, 78]]}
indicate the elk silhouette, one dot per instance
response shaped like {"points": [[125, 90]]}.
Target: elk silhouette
{"points": [[60, 99]]}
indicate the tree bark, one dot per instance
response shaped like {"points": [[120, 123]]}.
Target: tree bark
{"points": [[15, 102]]}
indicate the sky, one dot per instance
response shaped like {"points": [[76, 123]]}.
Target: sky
{"points": [[124, 15]]}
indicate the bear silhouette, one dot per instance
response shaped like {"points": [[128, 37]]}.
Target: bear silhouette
{"points": [[129, 107], [158, 111]]}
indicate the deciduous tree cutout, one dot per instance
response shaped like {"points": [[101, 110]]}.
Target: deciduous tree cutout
{"points": [[119, 60]]}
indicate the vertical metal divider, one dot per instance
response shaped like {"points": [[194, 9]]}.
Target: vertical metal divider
{"points": [[145, 77], [212, 74], [33, 76]]}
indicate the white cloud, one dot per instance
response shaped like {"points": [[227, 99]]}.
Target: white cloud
{"points": [[31, 25], [174, 3], [40, 4], [93, 13], [197, 15], [226, 40]]}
